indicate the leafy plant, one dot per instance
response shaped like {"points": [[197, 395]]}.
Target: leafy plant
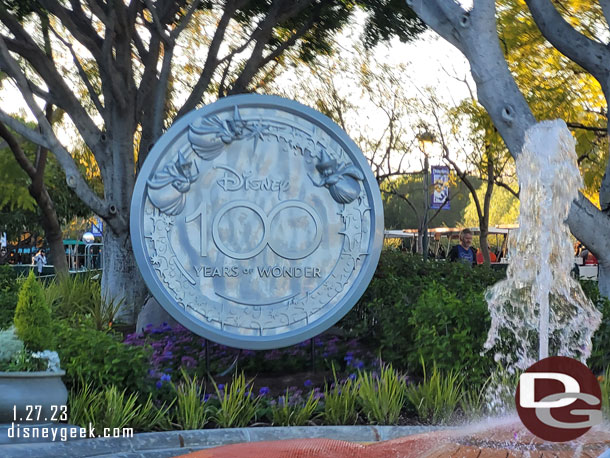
{"points": [[341, 402], [435, 307], [23, 361], [600, 354], [33, 316], [604, 384], [473, 403], [382, 396], [293, 410], [451, 332], [10, 345], [500, 391], [9, 289], [436, 398], [101, 359], [79, 300], [111, 408], [191, 410], [237, 405], [72, 296]]}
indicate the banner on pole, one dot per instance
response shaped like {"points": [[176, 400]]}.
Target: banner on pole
{"points": [[440, 183], [97, 227]]}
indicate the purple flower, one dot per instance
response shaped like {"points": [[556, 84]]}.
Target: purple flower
{"points": [[352, 377], [359, 365], [221, 386], [263, 391], [307, 383], [188, 361], [166, 378], [159, 384], [206, 398]]}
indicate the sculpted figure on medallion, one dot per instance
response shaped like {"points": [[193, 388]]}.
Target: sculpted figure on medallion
{"points": [[256, 222]]}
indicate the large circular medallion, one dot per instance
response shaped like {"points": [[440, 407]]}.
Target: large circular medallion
{"points": [[256, 222]]}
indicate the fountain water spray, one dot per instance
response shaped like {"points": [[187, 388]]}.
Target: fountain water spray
{"points": [[539, 309]]}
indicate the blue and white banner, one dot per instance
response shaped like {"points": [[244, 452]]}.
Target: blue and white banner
{"points": [[97, 227], [440, 183]]}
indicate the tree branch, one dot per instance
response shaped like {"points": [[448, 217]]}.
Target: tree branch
{"points": [[62, 96], [49, 140], [262, 34], [507, 187], [211, 61], [591, 55], [18, 152], [83, 75], [577, 125]]}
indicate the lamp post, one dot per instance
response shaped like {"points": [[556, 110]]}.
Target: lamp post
{"points": [[425, 138]]}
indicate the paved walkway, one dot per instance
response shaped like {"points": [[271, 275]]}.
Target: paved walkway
{"points": [[508, 440]]}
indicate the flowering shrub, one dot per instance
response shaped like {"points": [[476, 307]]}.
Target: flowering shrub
{"points": [[175, 349]]}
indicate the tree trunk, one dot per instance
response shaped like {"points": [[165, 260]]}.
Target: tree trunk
{"points": [[420, 240], [121, 278], [52, 229], [484, 228]]}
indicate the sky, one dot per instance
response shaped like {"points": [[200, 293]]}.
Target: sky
{"points": [[429, 61]]}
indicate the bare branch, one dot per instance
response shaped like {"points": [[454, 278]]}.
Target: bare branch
{"points": [[83, 75], [577, 125], [507, 187], [211, 61], [49, 140], [262, 34], [59, 93]]}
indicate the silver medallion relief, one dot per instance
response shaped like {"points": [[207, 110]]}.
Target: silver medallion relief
{"points": [[256, 222]]}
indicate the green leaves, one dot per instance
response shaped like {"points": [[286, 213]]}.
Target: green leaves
{"points": [[191, 410], [437, 397], [111, 408], [341, 402], [101, 359], [292, 410], [382, 396], [237, 405], [33, 316]]}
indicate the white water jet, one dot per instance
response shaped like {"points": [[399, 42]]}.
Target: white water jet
{"points": [[539, 309]]}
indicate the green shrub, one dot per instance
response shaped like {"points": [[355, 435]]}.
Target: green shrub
{"points": [[79, 300], [9, 289], [450, 332], [384, 315], [101, 359], [600, 354], [382, 396], [33, 316]]}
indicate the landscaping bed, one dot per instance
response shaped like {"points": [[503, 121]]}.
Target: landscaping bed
{"points": [[408, 353]]}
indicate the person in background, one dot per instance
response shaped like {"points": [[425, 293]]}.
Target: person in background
{"points": [[464, 252], [40, 260]]}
